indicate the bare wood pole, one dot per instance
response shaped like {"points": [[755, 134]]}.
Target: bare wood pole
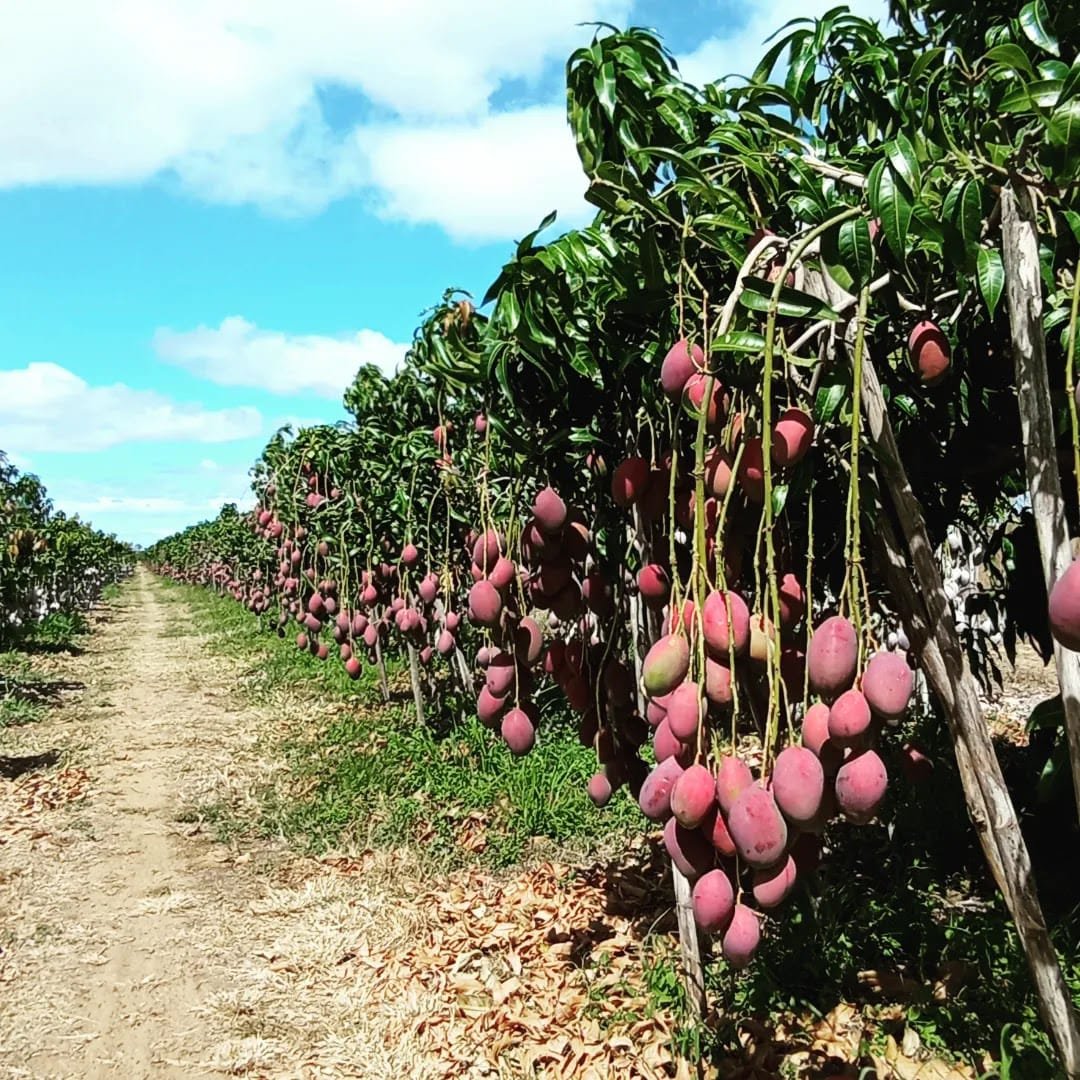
{"points": [[689, 946], [414, 678], [1023, 294], [930, 627], [381, 665], [463, 675]]}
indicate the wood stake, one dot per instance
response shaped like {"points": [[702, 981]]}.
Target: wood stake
{"points": [[1023, 293], [930, 627]]}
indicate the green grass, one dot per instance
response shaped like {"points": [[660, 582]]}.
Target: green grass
{"points": [[16, 711], [24, 693], [369, 774], [59, 631]]}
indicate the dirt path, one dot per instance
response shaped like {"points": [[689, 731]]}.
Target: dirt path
{"points": [[130, 944], [133, 944]]}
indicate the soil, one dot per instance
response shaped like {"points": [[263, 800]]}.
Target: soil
{"points": [[131, 943]]}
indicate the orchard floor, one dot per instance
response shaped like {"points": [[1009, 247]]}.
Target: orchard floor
{"points": [[134, 944]]}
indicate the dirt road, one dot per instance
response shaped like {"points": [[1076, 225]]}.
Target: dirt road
{"points": [[131, 944]]}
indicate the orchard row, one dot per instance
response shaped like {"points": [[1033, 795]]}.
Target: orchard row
{"points": [[49, 563], [647, 480]]}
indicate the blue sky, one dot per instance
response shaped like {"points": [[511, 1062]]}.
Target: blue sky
{"points": [[212, 212]]}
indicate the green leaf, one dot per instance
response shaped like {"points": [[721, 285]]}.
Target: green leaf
{"points": [[526, 242], [583, 362], [1063, 138], [1033, 21], [738, 341], [828, 400], [1031, 97], [677, 120], [1053, 69], [508, 311], [757, 296], [963, 209], [721, 221], [1011, 56], [1055, 773], [604, 84], [991, 275], [890, 199], [1073, 219], [779, 498], [1049, 713], [848, 254], [929, 59], [904, 160]]}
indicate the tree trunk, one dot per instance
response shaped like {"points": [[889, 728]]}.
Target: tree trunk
{"points": [[930, 627], [1023, 293]]}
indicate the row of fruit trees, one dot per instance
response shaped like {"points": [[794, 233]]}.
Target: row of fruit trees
{"points": [[50, 563], [693, 471]]}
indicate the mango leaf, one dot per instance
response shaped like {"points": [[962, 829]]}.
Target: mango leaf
{"points": [[508, 311], [526, 243], [828, 400], [757, 296], [738, 341], [1011, 56], [1049, 713], [1033, 22], [722, 221], [1073, 219], [779, 498], [1063, 138], [848, 254], [1054, 69], [890, 199], [929, 59], [991, 275], [963, 209], [604, 83], [1054, 778], [904, 160], [1032, 96]]}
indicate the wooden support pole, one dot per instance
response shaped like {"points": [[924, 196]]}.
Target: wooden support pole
{"points": [[1023, 294], [930, 627], [384, 685], [689, 946], [414, 678]]}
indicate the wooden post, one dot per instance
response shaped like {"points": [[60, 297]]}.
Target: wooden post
{"points": [[462, 666], [930, 627], [689, 946], [381, 665], [1023, 293], [414, 678]]}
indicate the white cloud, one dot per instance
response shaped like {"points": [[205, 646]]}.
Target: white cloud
{"points": [[225, 94], [238, 353], [46, 407], [125, 504], [481, 179], [738, 51], [141, 511]]}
